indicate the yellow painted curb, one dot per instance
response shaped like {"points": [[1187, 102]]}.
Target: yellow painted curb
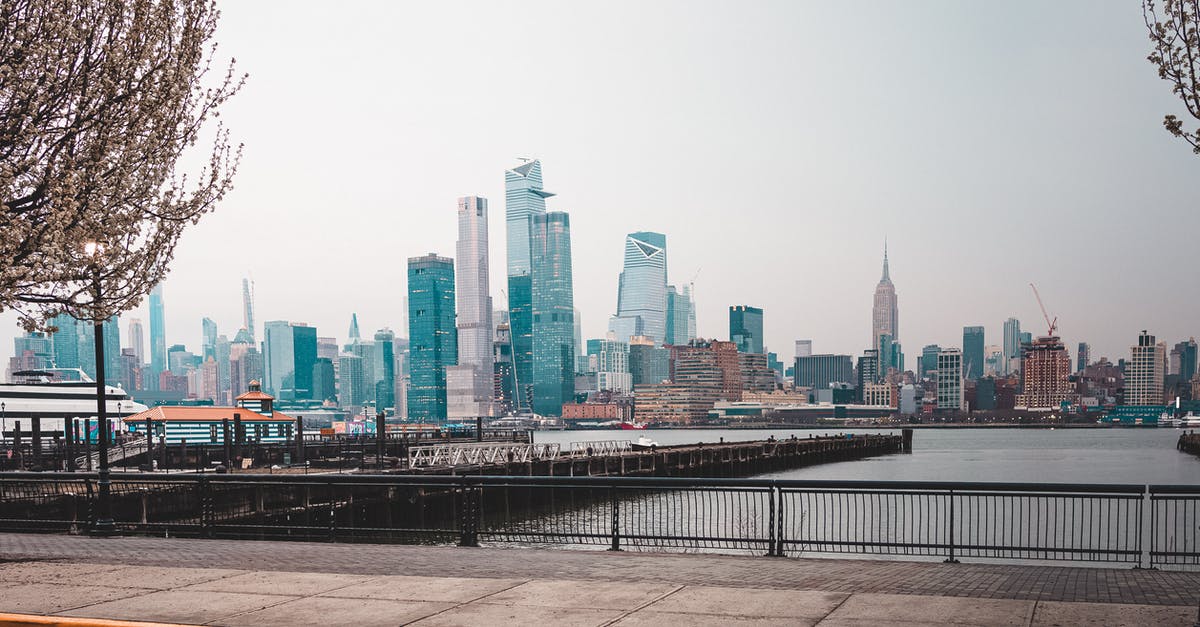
{"points": [[29, 620]]}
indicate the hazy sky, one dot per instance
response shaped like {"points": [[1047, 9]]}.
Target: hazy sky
{"points": [[775, 143]]}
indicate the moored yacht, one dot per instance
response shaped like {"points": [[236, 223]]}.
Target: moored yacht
{"points": [[49, 396]]}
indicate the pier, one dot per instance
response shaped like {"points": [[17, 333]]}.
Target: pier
{"points": [[1189, 443]]}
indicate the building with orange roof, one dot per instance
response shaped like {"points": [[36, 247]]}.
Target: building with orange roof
{"points": [[206, 424]]}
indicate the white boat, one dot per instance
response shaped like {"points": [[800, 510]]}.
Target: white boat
{"points": [[1189, 421], [41, 396]]}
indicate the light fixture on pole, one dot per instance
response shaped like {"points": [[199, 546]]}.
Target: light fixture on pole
{"points": [[104, 525]]}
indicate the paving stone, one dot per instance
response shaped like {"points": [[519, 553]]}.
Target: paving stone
{"points": [[750, 603], [151, 577], [50, 572], [333, 611], [271, 582], [1055, 613], [618, 595], [902, 608], [179, 606], [500, 615], [404, 588], [50, 598], [646, 618]]}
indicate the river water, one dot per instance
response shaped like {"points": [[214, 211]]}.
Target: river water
{"points": [[1133, 456]]}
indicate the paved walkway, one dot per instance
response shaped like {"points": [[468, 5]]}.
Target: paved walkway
{"points": [[285, 583]]}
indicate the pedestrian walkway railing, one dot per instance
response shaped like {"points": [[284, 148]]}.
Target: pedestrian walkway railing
{"points": [[1146, 526]]}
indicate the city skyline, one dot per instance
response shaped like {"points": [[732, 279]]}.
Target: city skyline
{"points": [[926, 154]]}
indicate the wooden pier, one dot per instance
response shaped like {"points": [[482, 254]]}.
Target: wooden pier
{"points": [[1189, 443]]}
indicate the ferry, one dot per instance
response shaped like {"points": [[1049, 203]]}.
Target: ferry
{"points": [[54, 395]]}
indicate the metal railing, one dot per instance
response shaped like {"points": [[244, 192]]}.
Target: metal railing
{"points": [[1131, 524], [476, 454], [600, 447]]}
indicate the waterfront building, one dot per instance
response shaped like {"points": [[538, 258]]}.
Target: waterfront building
{"points": [[757, 376], [1083, 356], [206, 424], [696, 361], [553, 299], [972, 352], [1045, 372], [681, 316], [648, 362], [885, 312], [803, 348], [1011, 345], [819, 371], [746, 328], [432, 336], [158, 334], [950, 380], [929, 361], [291, 351], [470, 383], [642, 289], [1144, 372], [610, 358]]}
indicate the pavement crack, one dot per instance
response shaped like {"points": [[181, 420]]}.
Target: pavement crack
{"points": [[644, 605], [835, 608]]}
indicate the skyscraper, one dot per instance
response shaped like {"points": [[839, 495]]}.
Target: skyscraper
{"points": [[209, 339], [885, 313], [612, 363], [291, 351], [929, 360], [1084, 356], [158, 336], [385, 369], [1144, 372], [1185, 353], [1045, 368], [950, 379], [746, 328], [353, 333], [642, 289], [1012, 345], [248, 309], [473, 386], [433, 339], [524, 200], [137, 340], [972, 352], [681, 316], [553, 313], [66, 341]]}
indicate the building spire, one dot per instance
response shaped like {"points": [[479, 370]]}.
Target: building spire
{"points": [[354, 335], [886, 277]]}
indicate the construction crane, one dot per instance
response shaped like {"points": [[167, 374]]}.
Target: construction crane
{"points": [[1051, 325]]}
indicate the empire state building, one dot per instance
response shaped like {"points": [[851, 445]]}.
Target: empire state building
{"points": [[885, 314]]}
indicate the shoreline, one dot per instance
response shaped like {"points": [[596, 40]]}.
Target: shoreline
{"points": [[809, 427]]}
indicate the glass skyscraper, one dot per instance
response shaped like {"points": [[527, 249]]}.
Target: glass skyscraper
{"points": [[1012, 345], [524, 199], [66, 341], [470, 384], [642, 289], [540, 294], [681, 316], [432, 337], [746, 328], [972, 352], [158, 336], [553, 313], [291, 352]]}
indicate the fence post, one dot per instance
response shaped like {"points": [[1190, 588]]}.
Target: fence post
{"points": [[469, 516], [951, 560], [616, 519], [204, 495], [779, 537], [1146, 509], [771, 514], [332, 515]]}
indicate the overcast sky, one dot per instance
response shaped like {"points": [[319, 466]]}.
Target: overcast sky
{"points": [[776, 144]]}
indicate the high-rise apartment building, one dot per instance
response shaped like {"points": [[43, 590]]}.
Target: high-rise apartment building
{"points": [[885, 312], [432, 336], [972, 352], [470, 383], [642, 289], [208, 335], [929, 361], [553, 313], [803, 348], [1144, 372], [1045, 372], [1011, 346], [291, 351], [158, 335], [352, 383], [746, 328], [611, 358], [868, 371], [1183, 360], [950, 380], [649, 363]]}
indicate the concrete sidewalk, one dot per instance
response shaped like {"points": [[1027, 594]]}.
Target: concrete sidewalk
{"points": [[286, 583]]}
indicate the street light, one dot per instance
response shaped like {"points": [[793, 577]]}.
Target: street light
{"points": [[104, 521]]}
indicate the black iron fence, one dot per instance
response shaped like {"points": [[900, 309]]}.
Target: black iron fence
{"points": [[1133, 524]]}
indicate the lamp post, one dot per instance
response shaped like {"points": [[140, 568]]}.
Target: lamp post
{"points": [[3, 422], [104, 521]]}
